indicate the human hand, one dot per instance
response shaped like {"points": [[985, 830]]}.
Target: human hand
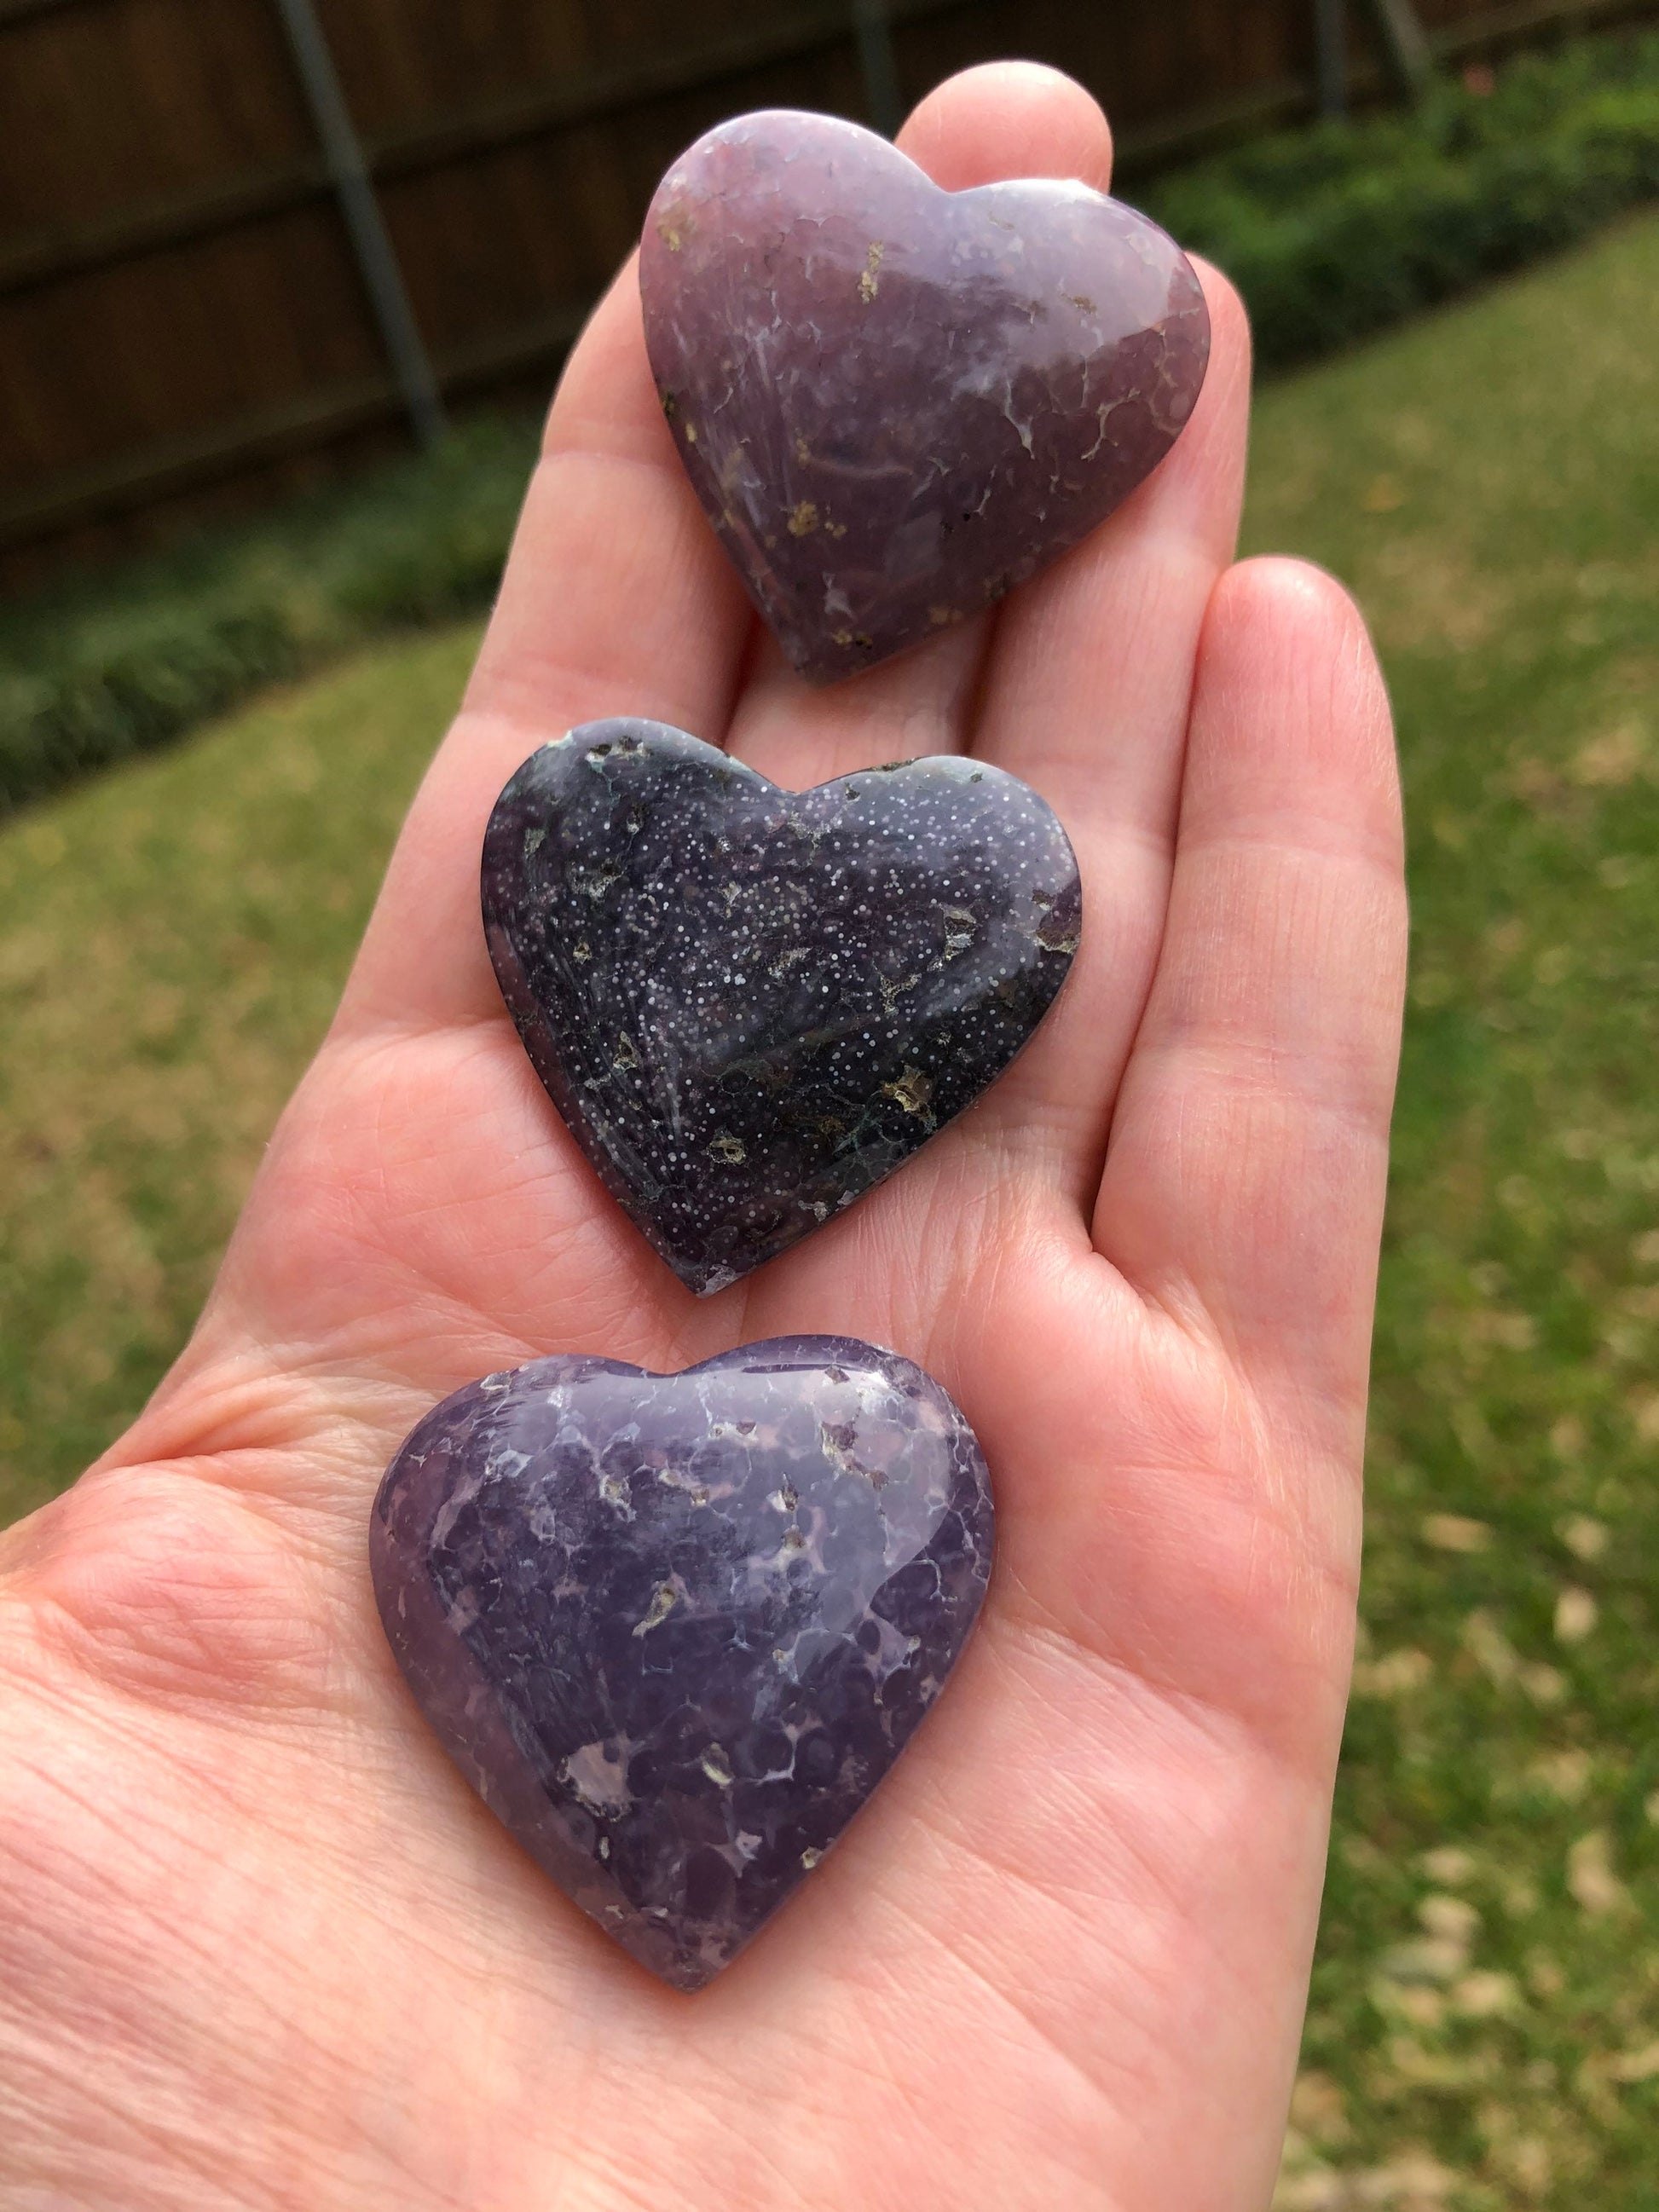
{"points": [[259, 1945]]}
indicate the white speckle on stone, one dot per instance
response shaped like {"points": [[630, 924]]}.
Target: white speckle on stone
{"points": [[598, 1778]]}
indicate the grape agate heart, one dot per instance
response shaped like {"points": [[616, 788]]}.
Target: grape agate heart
{"points": [[674, 1629], [751, 1005], [897, 402]]}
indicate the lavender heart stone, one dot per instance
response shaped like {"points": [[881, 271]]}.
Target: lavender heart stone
{"points": [[896, 402], [750, 1005], [674, 1629]]}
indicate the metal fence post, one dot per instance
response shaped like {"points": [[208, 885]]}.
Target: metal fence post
{"points": [[1331, 55], [1405, 45], [355, 190], [876, 58]]}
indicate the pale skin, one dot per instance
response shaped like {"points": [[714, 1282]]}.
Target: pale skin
{"points": [[259, 1945]]}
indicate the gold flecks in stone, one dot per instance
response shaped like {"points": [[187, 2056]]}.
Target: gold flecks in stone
{"points": [[911, 1091], [664, 1599]]}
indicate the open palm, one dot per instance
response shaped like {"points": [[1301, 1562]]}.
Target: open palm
{"points": [[259, 1946]]}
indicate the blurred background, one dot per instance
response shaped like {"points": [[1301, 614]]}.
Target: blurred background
{"points": [[244, 242], [284, 284]]}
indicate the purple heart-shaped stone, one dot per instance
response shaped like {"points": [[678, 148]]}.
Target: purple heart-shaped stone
{"points": [[674, 1629], [897, 402], [751, 1005]]}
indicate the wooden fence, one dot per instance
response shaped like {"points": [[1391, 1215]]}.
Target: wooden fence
{"points": [[184, 319]]}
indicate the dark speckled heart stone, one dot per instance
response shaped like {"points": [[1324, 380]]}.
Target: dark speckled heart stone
{"points": [[674, 1629], [896, 402], [750, 1005]]}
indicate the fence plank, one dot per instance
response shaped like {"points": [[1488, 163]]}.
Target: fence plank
{"points": [[321, 414], [173, 218], [42, 257], [24, 11]]}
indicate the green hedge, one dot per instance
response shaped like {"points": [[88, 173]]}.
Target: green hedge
{"points": [[129, 659], [1333, 232], [1329, 233]]}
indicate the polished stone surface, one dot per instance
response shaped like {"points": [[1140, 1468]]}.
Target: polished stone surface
{"points": [[751, 1005], [894, 402], [675, 1629]]}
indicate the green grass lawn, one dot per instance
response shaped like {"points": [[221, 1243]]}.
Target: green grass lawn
{"points": [[1486, 2000], [172, 938], [1485, 2024]]}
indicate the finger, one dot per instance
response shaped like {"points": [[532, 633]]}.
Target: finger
{"points": [[917, 703], [615, 600], [1006, 119], [1244, 1181], [1087, 699], [1009, 119]]}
